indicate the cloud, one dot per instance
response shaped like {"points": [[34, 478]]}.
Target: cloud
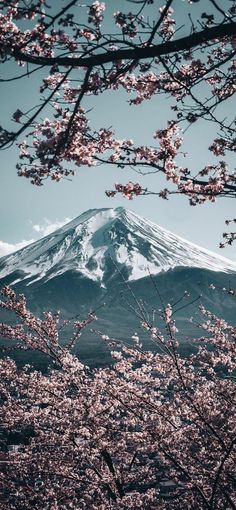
{"points": [[47, 227], [43, 229], [7, 248]]}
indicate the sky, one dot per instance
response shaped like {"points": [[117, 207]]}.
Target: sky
{"points": [[28, 213]]}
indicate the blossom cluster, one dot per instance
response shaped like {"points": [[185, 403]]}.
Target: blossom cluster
{"points": [[128, 191], [152, 430]]}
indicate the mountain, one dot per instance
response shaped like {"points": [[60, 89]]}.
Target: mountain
{"points": [[88, 245], [105, 257]]}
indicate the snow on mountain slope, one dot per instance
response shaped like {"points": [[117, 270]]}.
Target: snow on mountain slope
{"points": [[88, 243]]}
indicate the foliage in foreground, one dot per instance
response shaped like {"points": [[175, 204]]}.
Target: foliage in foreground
{"points": [[152, 431]]}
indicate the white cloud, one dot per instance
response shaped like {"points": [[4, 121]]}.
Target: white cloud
{"points": [[7, 248], [47, 227]]}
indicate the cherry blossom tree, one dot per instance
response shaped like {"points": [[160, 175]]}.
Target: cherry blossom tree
{"points": [[152, 430], [145, 49]]}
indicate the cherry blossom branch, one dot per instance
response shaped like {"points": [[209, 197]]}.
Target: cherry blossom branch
{"points": [[159, 22], [167, 48], [13, 136], [220, 469]]}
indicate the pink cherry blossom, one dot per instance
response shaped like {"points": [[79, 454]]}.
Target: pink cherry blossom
{"points": [[152, 430]]}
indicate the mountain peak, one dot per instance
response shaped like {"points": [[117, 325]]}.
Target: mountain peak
{"points": [[107, 214], [87, 244]]}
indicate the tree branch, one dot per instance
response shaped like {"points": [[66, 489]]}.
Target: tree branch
{"points": [[139, 53]]}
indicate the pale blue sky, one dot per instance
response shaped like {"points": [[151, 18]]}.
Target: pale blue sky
{"points": [[23, 205]]}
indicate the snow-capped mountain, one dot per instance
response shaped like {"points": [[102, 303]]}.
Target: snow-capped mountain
{"points": [[87, 244], [85, 266]]}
